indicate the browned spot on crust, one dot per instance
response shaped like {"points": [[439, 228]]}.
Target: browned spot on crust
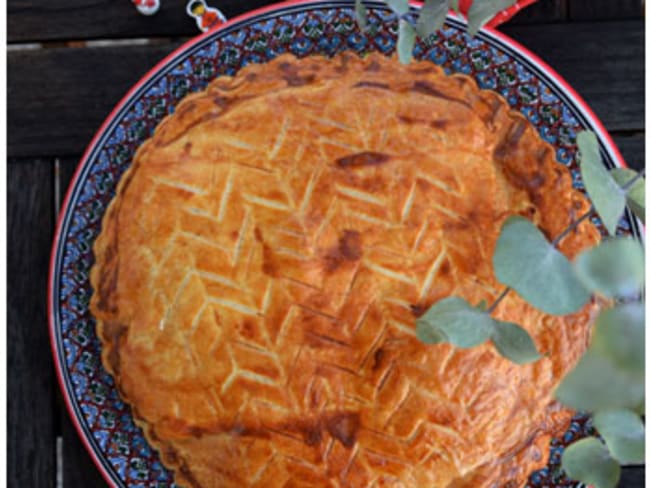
{"points": [[268, 259], [269, 266], [312, 434], [439, 124], [348, 249], [373, 67], [344, 427], [296, 80], [108, 279], [418, 310], [366, 158], [511, 140], [426, 88], [293, 77], [187, 474], [113, 333], [258, 234], [350, 245], [434, 124], [378, 357], [371, 84], [536, 181], [221, 101], [247, 329]]}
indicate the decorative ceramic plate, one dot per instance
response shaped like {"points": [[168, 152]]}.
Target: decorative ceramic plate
{"points": [[303, 28]]}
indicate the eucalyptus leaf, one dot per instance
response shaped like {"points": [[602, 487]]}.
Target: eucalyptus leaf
{"points": [[604, 192], [432, 17], [514, 343], [596, 383], [624, 434], [619, 335], [455, 320], [400, 7], [541, 274], [614, 268], [361, 14], [482, 11], [635, 195], [405, 41], [589, 461]]}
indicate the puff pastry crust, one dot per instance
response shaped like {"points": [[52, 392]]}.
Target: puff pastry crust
{"points": [[261, 267]]}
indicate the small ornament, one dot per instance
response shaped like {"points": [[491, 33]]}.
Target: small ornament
{"points": [[147, 7], [206, 17]]}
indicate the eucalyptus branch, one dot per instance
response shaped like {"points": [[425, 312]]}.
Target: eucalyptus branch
{"points": [[636, 178], [555, 242]]}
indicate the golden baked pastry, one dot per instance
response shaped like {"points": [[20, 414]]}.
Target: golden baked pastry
{"points": [[260, 270]]}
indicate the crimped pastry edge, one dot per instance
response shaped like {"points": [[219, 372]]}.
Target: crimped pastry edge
{"points": [[100, 246]]}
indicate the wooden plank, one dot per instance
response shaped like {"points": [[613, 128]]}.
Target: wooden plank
{"points": [[632, 477], [605, 9], [543, 11], [632, 148], [31, 419], [58, 98], [79, 470], [604, 62], [32, 20], [90, 19]]}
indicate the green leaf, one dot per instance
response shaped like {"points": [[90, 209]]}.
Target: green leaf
{"points": [[432, 17], [619, 335], [400, 7], [514, 343], [604, 192], [456, 321], [588, 460], [541, 274], [614, 268], [596, 383], [635, 195], [362, 15], [453, 4], [482, 11], [624, 434], [405, 41]]}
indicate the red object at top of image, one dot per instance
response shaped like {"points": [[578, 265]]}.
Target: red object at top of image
{"points": [[502, 16]]}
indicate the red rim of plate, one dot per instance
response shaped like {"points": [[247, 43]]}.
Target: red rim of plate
{"points": [[603, 135]]}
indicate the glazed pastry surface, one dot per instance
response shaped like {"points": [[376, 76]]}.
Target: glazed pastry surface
{"points": [[261, 267]]}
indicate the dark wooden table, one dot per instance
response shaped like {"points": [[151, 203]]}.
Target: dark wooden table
{"points": [[70, 61]]}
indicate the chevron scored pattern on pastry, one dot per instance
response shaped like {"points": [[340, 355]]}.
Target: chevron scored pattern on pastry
{"points": [[260, 269]]}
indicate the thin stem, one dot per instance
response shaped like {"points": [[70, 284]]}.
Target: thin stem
{"points": [[498, 300], [636, 178], [572, 227]]}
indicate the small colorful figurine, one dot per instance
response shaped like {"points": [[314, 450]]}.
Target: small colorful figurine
{"points": [[206, 17], [147, 7]]}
